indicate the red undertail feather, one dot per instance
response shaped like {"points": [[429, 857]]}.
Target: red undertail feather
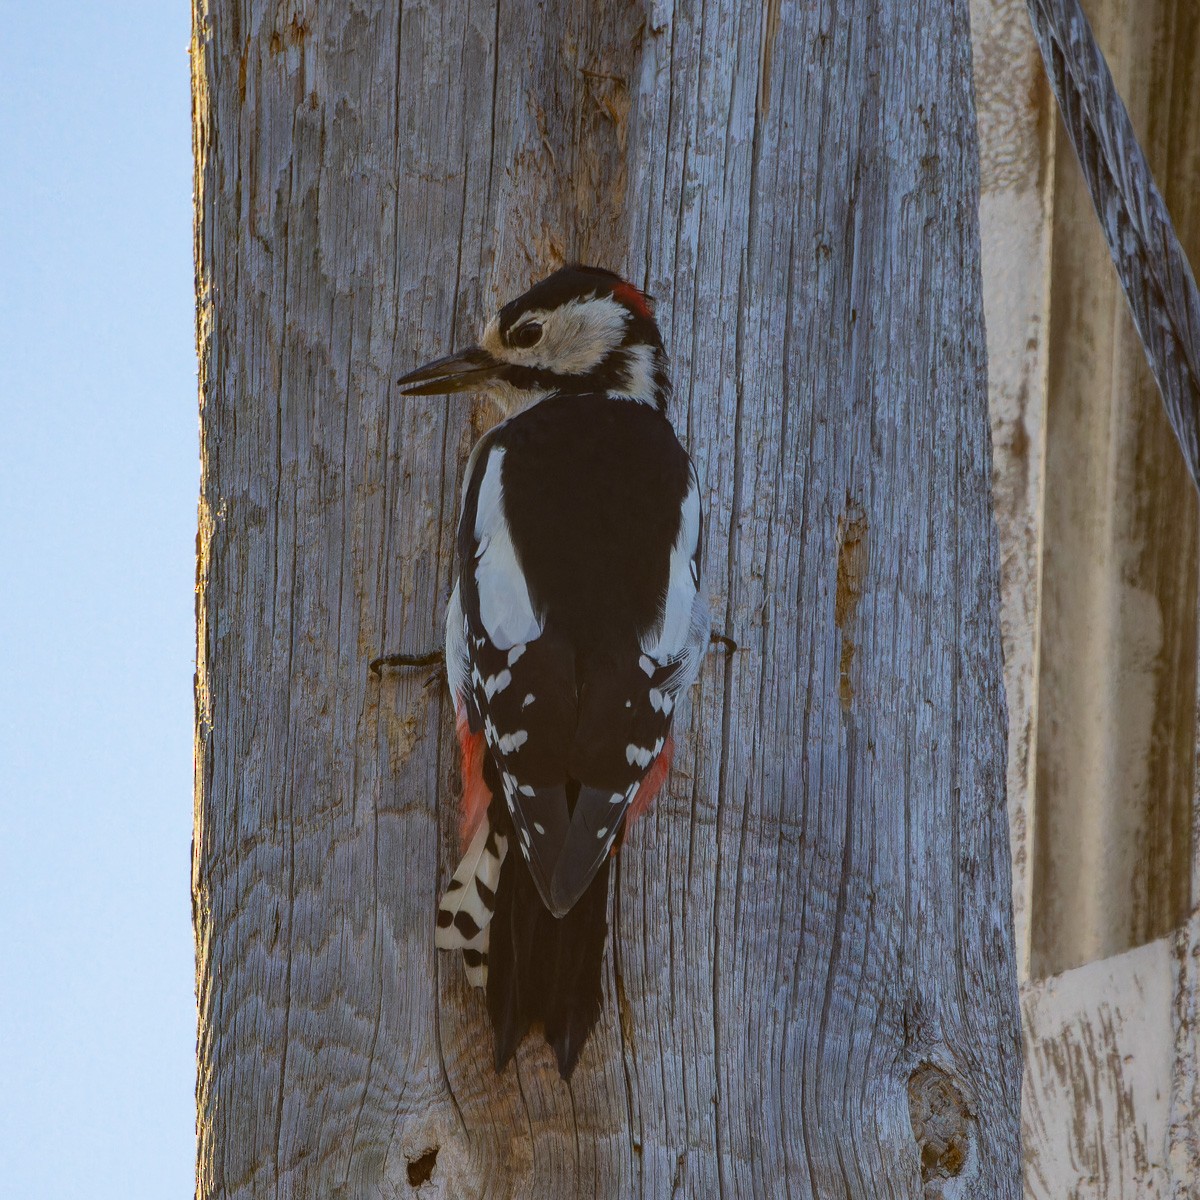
{"points": [[476, 794], [652, 782]]}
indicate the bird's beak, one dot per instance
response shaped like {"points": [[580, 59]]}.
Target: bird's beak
{"points": [[460, 372]]}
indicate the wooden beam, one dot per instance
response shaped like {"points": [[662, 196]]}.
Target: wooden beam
{"points": [[1016, 147], [1119, 574]]}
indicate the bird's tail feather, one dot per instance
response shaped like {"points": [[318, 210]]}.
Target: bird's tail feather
{"points": [[466, 909], [543, 968]]}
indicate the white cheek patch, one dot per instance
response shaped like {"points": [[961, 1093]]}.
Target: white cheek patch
{"points": [[504, 604], [577, 336], [581, 333]]}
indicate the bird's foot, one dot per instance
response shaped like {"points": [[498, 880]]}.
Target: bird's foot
{"points": [[430, 658]]}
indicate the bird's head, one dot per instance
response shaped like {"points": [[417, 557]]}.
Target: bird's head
{"points": [[580, 330]]}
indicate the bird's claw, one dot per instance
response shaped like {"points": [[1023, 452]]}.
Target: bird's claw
{"points": [[428, 659]]}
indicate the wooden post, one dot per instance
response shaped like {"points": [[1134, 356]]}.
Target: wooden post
{"points": [[810, 985]]}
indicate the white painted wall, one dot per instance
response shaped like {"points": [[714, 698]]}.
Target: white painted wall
{"points": [[1111, 1101]]}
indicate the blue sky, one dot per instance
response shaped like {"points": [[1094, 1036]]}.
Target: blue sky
{"points": [[98, 485]]}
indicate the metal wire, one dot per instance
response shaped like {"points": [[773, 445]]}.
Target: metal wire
{"points": [[1153, 269]]}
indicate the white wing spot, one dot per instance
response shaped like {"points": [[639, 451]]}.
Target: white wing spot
{"points": [[525, 836], [516, 653], [617, 797], [638, 754], [656, 699], [525, 851], [539, 827], [525, 790], [628, 703], [601, 834], [497, 683], [513, 741], [528, 700], [648, 665]]}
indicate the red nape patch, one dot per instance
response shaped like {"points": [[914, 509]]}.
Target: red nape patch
{"points": [[636, 301], [652, 782], [476, 796]]}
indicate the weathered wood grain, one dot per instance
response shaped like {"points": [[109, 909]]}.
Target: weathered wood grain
{"points": [[811, 985]]}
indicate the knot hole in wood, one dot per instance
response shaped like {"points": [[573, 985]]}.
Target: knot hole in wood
{"points": [[420, 1169], [943, 1122]]}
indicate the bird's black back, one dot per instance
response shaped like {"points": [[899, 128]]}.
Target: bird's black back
{"points": [[592, 489]]}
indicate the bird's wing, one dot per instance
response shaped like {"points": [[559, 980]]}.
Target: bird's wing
{"points": [[514, 679], [676, 645], [627, 705], [572, 750]]}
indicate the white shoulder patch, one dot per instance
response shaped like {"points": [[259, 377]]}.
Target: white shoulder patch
{"points": [[669, 638], [504, 604], [577, 336]]}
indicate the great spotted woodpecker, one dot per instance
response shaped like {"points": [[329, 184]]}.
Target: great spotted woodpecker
{"points": [[577, 623]]}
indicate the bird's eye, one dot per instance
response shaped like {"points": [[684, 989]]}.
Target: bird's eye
{"points": [[525, 336]]}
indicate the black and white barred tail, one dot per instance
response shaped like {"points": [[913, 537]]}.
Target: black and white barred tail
{"points": [[465, 912], [537, 968]]}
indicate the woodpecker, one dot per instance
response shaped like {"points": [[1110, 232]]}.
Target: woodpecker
{"points": [[577, 623]]}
